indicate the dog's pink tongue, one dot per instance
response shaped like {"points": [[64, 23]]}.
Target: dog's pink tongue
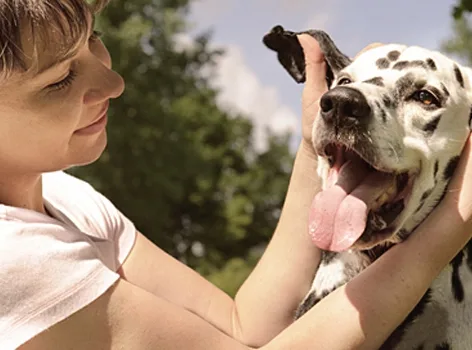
{"points": [[338, 215]]}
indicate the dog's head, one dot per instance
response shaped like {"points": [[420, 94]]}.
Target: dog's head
{"points": [[389, 135]]}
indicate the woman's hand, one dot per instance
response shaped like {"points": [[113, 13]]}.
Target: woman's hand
{"points": [[314, 88], [449, 226], [315, 85]]}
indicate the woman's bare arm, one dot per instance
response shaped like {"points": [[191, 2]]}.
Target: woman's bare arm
{"points": [[359, 315], [265, 303]]}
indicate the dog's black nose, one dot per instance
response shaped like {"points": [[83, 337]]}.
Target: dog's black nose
{"points": [[345, 106]]}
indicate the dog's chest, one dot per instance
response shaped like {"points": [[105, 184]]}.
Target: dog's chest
{"points": [[442, 319]]}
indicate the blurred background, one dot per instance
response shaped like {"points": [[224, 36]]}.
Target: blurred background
{"points": [[202, 142]]}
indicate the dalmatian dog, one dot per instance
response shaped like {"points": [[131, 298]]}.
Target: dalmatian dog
{"points": [[388, 136]]}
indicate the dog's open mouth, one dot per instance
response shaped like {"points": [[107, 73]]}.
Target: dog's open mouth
{"points": [[359, 204]]}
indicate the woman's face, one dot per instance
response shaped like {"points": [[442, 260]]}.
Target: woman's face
{"points": [[54, 116]]}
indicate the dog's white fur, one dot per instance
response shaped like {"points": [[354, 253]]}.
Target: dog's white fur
{"points": [[402, 145]]}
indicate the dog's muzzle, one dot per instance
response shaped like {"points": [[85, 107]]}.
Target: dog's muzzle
{"points": [[344, 106], [361, 199]]}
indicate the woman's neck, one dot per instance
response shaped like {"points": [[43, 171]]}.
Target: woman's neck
{"points": [[22, 191]]}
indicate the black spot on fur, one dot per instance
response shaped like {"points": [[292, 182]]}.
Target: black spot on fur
{"points": [[327, 256], [431, 126], [419, 207], [457, 287], [436, 168], [397, 335], [425, 196], [468, 248], [404, 84], [459, 77], [382, 112], [375, 252], [443, 346], [431, 64], [382, 63], [388, 102], [451, 167], [309, 302], [443, 194], [420, 347], [393, 55], [403, 234], [383, 115], [400, 65], [470, 119], [376, 81], [445, 90]]}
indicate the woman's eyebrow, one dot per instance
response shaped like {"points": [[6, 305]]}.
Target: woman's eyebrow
{"points": [[69, 55], [53, 64]]}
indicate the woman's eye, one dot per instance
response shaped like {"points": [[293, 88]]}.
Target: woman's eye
{"points": [[67, 81], [425, 97], [344, 81], [64, 83]]}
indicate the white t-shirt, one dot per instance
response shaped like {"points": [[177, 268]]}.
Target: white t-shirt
{"points": [[53, 267]]}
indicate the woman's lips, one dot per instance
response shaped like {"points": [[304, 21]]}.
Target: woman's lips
{"points": [[96, 126]]}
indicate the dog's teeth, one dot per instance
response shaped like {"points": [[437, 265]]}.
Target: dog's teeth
{"points": [[385, 197], [381, 200], [391, 191]]}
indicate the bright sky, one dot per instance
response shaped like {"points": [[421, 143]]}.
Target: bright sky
{"points": [[252, 80]]}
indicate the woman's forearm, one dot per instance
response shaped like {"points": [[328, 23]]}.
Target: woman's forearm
{"points": [[266, 302], [375, 302], [365, 311]]}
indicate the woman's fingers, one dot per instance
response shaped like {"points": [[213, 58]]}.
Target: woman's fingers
{"points": [[315, 66]]}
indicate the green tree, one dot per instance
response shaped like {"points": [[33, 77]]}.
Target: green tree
{"points": [[462, 7], [184, 170], [460, 43]]}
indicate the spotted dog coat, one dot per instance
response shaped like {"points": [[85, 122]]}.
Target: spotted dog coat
{"points": [[401, 135]]}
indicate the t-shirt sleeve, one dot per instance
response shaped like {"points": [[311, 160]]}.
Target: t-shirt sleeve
{"points": [[47, 273], [93, 214]]}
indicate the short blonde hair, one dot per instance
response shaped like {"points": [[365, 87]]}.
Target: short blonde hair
{"points": [[42, 18]]}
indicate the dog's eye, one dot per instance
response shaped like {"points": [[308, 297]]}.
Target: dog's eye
{"points": [[344, 81], [426, 98]]}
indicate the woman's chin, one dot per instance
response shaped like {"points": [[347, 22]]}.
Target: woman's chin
{"points": [[88, 154]]}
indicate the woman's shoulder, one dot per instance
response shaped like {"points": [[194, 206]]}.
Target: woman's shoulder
{"points": [[48, 272], [54, 265], [70, 198]]}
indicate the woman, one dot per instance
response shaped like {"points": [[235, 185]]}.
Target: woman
{"points": [[75, 273]]}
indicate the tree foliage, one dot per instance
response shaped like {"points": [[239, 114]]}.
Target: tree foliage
{"points": [[462, 7], [460, 43], [184, 170]]}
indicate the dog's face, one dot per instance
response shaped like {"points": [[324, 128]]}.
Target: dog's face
{"points": [[389, 135], [405, 112]]}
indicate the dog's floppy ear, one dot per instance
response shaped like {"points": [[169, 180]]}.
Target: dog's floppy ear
{"points": [[291, 56]]}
